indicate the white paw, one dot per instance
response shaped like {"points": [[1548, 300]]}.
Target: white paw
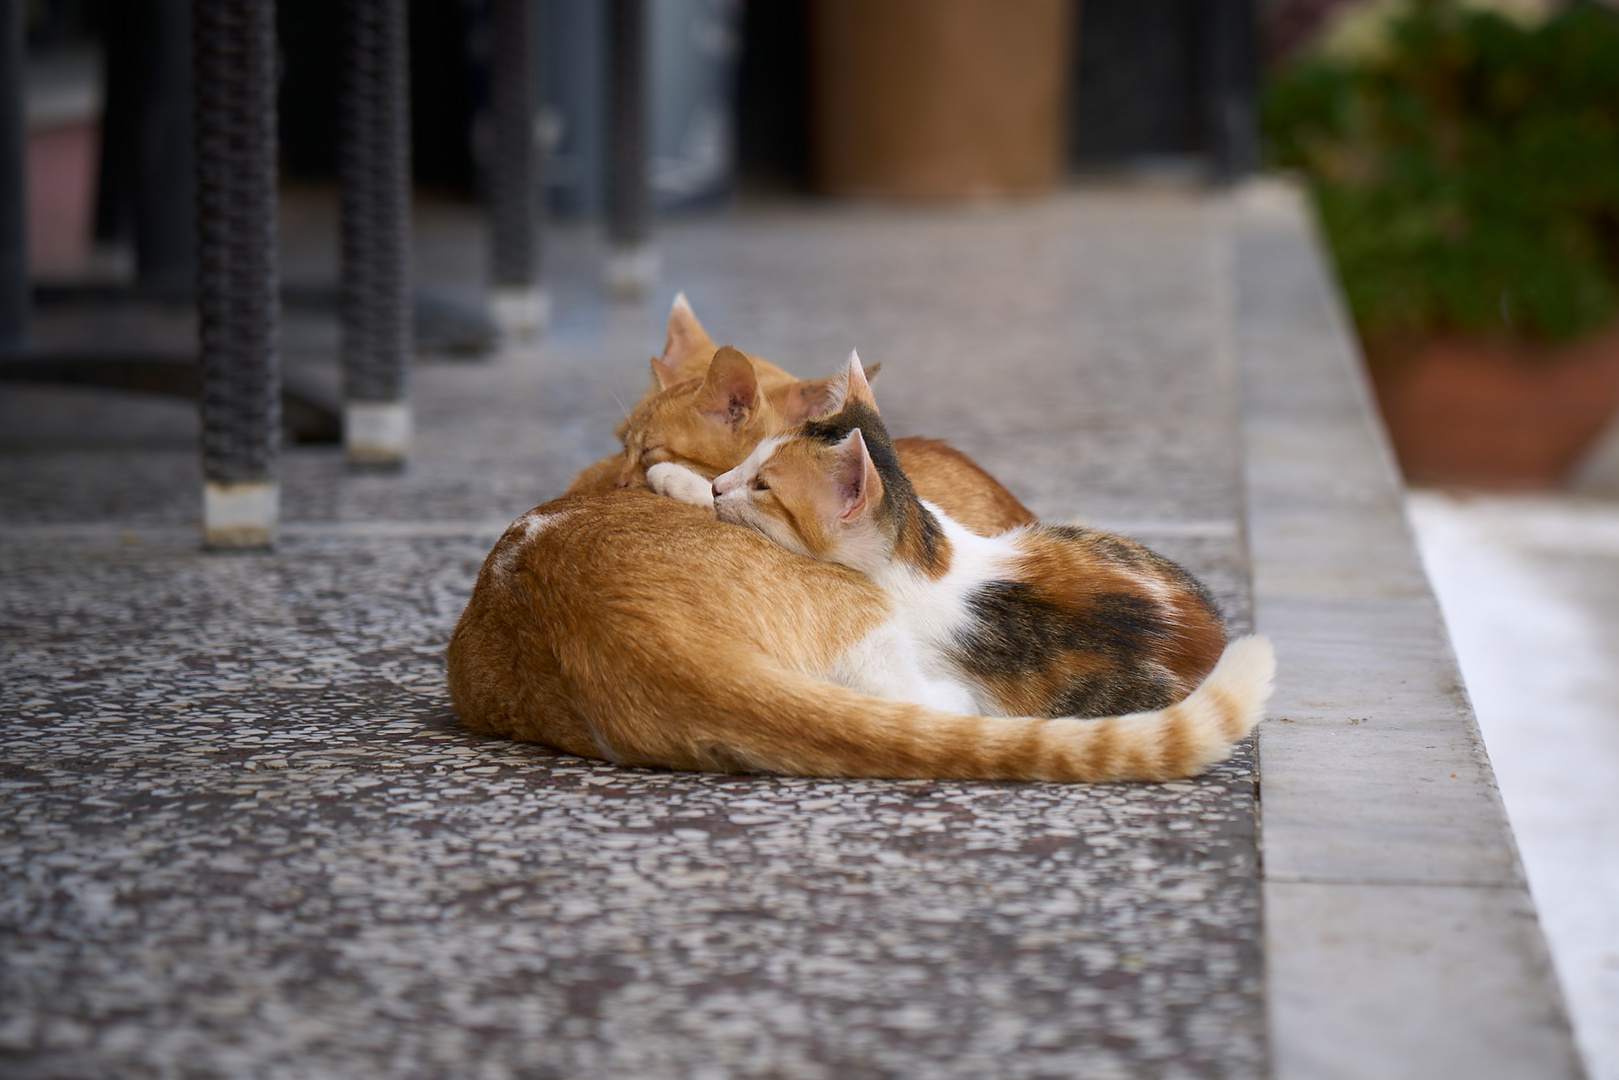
{"points": [[680, 483]]}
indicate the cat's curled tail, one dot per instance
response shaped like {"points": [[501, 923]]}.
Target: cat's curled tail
{"points": [[1188, 736], [854, 734]]}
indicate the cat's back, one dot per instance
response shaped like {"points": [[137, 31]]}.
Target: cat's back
{"points": [[590, 590], [633, 542], [1085, 622], [948, 478]]}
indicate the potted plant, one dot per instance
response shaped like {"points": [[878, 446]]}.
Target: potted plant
{"points": [[1466, 174]]}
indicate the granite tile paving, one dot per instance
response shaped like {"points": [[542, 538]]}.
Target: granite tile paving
{"points": [[244, 835]]}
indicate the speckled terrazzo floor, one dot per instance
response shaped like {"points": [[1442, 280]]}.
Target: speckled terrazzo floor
{"points": [[244, 835]]}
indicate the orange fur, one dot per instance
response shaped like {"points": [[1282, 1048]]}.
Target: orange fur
{"points": [[637, 629], [669, 419], [1047, 621], [699, 423]]}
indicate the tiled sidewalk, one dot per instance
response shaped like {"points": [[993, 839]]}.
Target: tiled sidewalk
{"points": [[247, 837], [250, 831]]}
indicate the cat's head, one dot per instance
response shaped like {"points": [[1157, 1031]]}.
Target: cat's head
{"points": [[707, 424], [827, 488], [688, 349], [711, 420]]}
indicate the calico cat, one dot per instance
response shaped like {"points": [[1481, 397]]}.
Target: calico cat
{"points": [[634, 628], [707, 411], [1042, 620], [638, 629]]}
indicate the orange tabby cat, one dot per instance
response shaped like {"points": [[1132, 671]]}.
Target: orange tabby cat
{"points": [[707, 409], [1045, 620], [638, 629], [687, 351]]}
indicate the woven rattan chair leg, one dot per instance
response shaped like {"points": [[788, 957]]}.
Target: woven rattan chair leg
{"points": [[237, 306], [14, 297], [375, 178], [632, 262], [516, 171]]}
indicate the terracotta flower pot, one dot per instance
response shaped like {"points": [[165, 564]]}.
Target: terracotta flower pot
{"points": [[939, 98], [1497, 415]]}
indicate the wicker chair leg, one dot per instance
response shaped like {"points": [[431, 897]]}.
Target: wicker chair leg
{"points": [[516, 173], [375, 178], [237, 306], [14, 295], [632, 262]]}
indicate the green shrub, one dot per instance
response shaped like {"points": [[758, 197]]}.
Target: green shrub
{"points": [[1467, 174]]}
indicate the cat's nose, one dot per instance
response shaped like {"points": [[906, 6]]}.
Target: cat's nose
{"points": [[714, 490]]}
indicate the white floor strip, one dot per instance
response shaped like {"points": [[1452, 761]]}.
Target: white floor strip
{"points": [[1528, 588]]}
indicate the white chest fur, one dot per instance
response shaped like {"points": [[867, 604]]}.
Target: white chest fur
{"points": [[912, 650]]}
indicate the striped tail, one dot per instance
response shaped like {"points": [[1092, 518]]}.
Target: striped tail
{"points": [[1188, 736], [787, 723]]}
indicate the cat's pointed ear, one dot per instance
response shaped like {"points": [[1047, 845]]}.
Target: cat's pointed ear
{"points": [[859, 387], [851, 384], [685, 336], [730, 391], [810, 398], [856, 486], [664, 374]]}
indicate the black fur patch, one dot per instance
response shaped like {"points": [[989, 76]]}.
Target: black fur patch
{"points": [[899, 497], [1017, 633], [1127, 691], [1131, 555]]}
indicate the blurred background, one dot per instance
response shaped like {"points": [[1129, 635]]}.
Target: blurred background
{"points": [[1464, 163], [1463, 160]]}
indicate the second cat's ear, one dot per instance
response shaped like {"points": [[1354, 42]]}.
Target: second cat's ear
{"points": [[856, 486], [851, 384], [811, 398], [730, 391], [664, 374], [684, 335], [808, 399]]}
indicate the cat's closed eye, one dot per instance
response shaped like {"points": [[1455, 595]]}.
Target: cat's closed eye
{"points": [[759, 484]]}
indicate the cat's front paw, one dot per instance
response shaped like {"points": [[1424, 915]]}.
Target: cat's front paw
{"points": [[681, 484]]}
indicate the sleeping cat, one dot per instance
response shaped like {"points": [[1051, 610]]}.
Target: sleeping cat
{"points": [[1042, 620], [631, 627], [638, 629], [707, 411], [687, 352]]}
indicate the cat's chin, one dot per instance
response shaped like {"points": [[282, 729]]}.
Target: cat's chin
{"points": [[734, 508]]}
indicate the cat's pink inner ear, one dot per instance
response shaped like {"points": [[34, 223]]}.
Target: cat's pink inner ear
{"points": [[854, 476], [809, 398], [730, 392], [664, 373]]}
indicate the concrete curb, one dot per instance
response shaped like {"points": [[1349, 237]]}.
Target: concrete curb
{"points": [[1401, 938]]}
